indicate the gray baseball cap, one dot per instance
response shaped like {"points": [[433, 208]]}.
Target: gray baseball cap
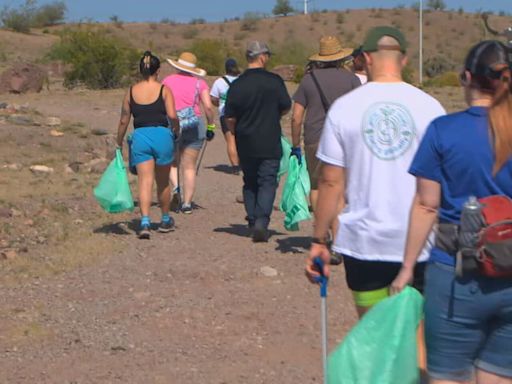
{"points": [[255, 48]]}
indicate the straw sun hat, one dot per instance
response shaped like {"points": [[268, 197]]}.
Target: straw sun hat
{"points": [[187, 62], [330, 50]]}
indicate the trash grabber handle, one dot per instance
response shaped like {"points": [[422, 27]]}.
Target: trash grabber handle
{"points": [[201, 155], [322, 280]]}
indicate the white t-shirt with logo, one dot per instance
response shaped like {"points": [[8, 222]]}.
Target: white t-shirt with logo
{"points": [[220, 91], [374, 133]]}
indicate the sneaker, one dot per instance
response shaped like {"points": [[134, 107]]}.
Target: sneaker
{"points": [[186, 209], [144, 232], [166, 226], [260, 235]]}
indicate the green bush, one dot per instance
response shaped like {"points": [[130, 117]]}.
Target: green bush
{"points": [[408, 74], [447, 79], [437, 65], [190, 33], [292, 52], [340, 18], [250, 22], [211, 54], [29, 15], [98, 61]]}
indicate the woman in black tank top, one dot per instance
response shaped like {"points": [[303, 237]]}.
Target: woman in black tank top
{"points": [[151, 147]]}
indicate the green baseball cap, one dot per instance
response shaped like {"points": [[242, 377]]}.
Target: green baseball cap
{"points": [[371, 43]]}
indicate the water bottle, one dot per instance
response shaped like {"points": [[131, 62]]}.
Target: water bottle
{"points": [[470, 223]]}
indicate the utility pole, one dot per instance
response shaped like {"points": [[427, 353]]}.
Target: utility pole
{"points": [[306, 6], [421, 42]]}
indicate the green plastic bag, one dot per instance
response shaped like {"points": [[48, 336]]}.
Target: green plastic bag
{"points": [[294, 201], [285, 158], [113, 191], [382, 347]]}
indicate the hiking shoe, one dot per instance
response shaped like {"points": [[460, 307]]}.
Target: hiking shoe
{"points": [[186, 209], [166, 226], [144, 232], [260, 235]]}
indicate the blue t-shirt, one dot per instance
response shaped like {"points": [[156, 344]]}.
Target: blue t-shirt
{"points": [[457, 152]]}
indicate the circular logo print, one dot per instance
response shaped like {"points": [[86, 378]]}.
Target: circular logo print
{"points": [[388, 130]]}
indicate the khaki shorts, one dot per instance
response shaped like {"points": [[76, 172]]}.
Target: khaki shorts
{"points": [[313, 164]]}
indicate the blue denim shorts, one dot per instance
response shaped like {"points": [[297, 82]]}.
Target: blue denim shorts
{"points": [[468, 324], [152, 143], [193, 138]]}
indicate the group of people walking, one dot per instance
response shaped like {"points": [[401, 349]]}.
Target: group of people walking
{"points": [[386, 165]]}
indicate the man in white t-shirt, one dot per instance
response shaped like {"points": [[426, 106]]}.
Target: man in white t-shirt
{"points": [[368, 143], [219, 94]]}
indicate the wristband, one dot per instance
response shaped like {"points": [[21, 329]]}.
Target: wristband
{"points": [[320, 241], [211, 127]]}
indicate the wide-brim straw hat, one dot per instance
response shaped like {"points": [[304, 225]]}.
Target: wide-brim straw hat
{"points": [[330, 50], [187, 62]]}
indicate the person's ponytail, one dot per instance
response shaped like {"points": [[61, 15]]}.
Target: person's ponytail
{"points": [[148, 65], [500, 116]]}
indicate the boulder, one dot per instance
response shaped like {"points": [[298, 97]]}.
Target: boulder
{"points": [[22, 78], [41, 169], [287, 72]]}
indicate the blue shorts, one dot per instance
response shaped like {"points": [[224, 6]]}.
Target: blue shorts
{"points": [[468, 323], [152, 143]]}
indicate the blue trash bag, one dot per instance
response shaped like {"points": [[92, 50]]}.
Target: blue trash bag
{"points": [[382, 347]]}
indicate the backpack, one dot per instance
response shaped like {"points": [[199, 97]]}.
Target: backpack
{"points": [[187, 116], [494, 254]]}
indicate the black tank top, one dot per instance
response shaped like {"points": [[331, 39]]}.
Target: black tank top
{"points": [[149, 115]]}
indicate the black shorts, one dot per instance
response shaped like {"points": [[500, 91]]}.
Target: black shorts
{"points": [[223, 125], [366, 275]]}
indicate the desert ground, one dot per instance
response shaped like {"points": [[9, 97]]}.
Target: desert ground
{"points": [[82, 300]]}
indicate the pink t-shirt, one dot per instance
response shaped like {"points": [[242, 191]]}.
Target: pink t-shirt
{"points": [[183, 88]]}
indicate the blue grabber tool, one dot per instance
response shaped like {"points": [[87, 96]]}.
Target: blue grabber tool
{"points": [[323, 281]]}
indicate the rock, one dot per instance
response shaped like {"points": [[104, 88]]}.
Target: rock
{"points": [[41, 169], [3, 105], [55, 133], [12, 167], [99, 131], [29, 222], [16, 213], [8, 254], [53, 122], [75, 166], [78, 221], [5, 213], [22, 78], [4, 243], [287, 72], [268, 271], [98, 165], [20, 119]]}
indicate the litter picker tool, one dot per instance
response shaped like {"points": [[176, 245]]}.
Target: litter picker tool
{"points": [[323, 281], [201, 155]]}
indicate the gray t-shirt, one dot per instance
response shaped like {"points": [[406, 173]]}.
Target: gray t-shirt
{"points": [[334, 84]]}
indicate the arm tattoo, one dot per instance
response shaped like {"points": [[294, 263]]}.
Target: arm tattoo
{"points": [[124, 111]]}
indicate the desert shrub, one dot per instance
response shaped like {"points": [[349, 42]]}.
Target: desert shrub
{"points": [[447, 79], [116, 21], [408, 74], [437, 65], [49, 14], [282, 8], [292, 52], [166, 20], [340, 18], [197, 21], [29, 15], [250, 21], [153, 26], [460, 11], [190, 33], [239, 36], [299, 74], [314, 16], [20, 19], [97, 60], [436, 5], [211, 54]]}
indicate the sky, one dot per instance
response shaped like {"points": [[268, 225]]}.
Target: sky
{"points": [[218, 10]]}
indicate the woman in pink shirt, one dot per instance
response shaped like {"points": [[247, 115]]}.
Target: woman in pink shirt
{"points": [[190, 94]]}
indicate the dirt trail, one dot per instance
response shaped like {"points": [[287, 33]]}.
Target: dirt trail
{"points": [[187, 307]]}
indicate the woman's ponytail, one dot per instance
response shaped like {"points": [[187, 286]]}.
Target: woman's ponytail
{"points": [[149, 64]]}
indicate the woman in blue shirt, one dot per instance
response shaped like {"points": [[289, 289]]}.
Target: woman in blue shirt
{"points": [[468, 320]]}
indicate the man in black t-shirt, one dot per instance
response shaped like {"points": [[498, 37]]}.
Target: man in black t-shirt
{"points": [[254, 106]]}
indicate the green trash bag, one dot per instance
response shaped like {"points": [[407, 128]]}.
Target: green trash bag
{"points": [[382, 347], [294, 201], [285, 158], [113, 191]]}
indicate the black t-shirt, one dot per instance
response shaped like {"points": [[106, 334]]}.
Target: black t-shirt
{"points": [[256, 100]]}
